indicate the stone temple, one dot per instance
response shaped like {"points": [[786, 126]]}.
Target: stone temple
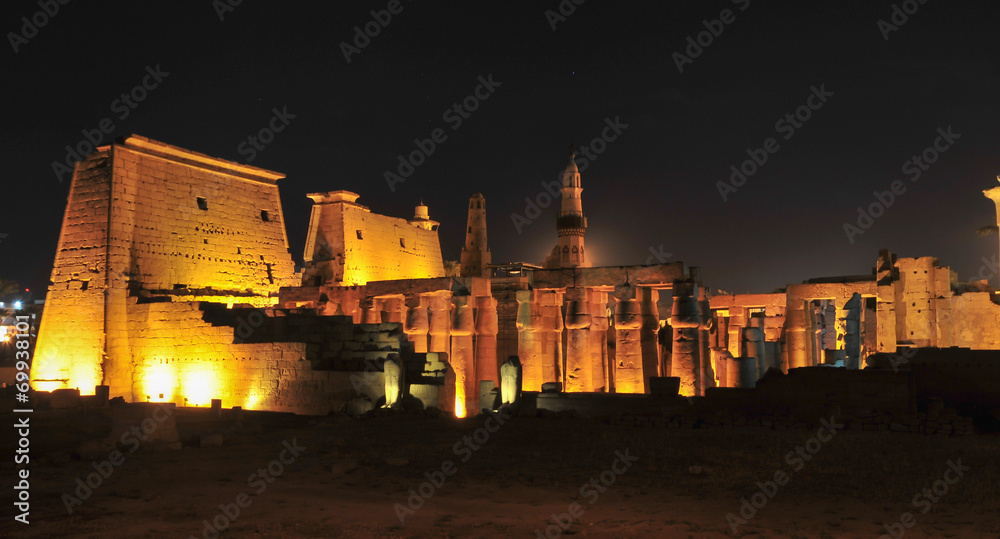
{"points": [[173, 282]]}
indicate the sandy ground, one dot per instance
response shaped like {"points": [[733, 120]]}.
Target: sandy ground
{"points": [[351, 478]]}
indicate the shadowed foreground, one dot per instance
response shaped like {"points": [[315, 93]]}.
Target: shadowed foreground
{"points": [[598, 480]]}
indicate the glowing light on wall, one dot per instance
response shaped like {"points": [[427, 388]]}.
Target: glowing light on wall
{"points": [[160, 380], [198, 386], [459, 407], [251, 402], [48, 385], [84, 376]]}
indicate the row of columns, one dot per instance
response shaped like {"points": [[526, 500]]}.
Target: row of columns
{"points": [[584, 333]]}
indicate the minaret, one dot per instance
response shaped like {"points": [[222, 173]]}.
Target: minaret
{"points": [[475, 254], [571, 223]]}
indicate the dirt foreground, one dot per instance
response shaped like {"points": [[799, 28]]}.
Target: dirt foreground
{"points": [[278, 475]]}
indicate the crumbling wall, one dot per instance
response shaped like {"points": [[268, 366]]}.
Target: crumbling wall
{"points": [[975, 321], [182, 358]]}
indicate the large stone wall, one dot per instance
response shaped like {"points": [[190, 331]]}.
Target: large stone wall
{"points": [[147, 219], [348, 244], [70, 346], [231, 246]]}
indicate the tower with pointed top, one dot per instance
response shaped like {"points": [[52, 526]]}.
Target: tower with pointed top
{"points": [[571, 224], [476, 254]]}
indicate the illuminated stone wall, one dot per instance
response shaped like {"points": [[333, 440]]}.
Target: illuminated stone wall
{"points": [[145, 219], [907, 302], [70, 344], [348, 244]]}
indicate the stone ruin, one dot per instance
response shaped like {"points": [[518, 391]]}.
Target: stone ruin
{"points": [[173, 283]]}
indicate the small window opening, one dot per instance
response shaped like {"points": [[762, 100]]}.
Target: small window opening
{"points": [[264, 216], [202, 203], [359, 235]]}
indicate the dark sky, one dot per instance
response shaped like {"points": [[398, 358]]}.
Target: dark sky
{"points": [[654, 187]]}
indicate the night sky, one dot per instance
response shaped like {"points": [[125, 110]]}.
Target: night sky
{"points": [[654, 187]]}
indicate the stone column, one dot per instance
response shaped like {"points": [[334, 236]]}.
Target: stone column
{"points": [[748, 372], [528, 341], [647, 298], [350, 305], [598, 339], [753, 347], [725, 369], [840, 306], [796, 339], [885, 307], [417, 325], [393, 309], [552, 333], [578, 357], [994, 195], [852, 339], [686, 358], [439, 324], [487, 325], [371, 311], [705, 338], [463, 359], [628, 347]]}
